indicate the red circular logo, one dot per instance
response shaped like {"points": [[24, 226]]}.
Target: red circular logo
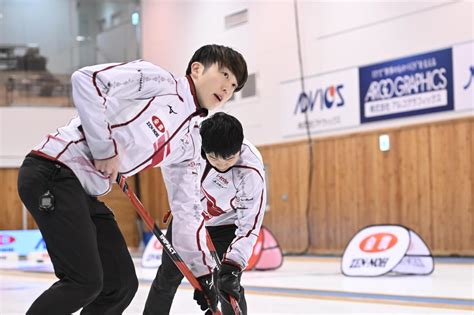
{"points": [[6, 239], [378, 242], [158, 124]]}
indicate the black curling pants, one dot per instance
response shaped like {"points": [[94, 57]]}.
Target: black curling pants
{"points": [[168, 277], [87, 249]]}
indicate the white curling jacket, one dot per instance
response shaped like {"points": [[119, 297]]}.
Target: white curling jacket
{"points": [[136, 110], [142, 113], [237, 196]]}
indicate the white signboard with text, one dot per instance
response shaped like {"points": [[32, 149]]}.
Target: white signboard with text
{"points": [[331, 102], [379, 249], [463, 64]]}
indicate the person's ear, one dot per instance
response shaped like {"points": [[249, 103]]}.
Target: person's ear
{"points": [[196, 69]]}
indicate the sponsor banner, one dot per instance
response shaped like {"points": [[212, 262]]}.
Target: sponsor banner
{"points": [[415, 265], [152, 254], [418, 259], [463, 63], [331, 102], [270, 256], [375, 250], [21, 241], [39, 256], [266, 254], [417, 245], [409, 86], [8, 257], [380, 249]]}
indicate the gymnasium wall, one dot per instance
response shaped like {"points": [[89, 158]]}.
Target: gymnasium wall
{"points": [[425, 181], [11, 210], [334, 35], [353, 183]]}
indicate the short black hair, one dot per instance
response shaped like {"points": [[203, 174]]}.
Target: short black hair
{"points": [[224, 57], [222, 135]]}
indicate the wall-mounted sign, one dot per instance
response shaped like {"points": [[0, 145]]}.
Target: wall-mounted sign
{"points": [[330, 102], [463, 63], [409, 86]]}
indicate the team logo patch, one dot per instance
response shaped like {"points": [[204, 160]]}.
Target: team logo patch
{"points": [[378, 242], [220, 181], [158, 124]]}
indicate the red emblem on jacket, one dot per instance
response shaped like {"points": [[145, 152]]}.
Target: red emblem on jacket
{"points": [[158, 124], [212, 209]]}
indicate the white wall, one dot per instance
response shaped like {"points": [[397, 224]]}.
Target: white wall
{"points": [[172, 31], [120, 42], [344, 34], [334, 35], [22, 128], [117, 41], [117, 44]]}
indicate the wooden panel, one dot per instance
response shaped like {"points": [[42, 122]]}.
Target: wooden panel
{"points": [[349, 191], [451, 185], [414, 174], [380, 180], [471, 230], [11, 209], [355, 186], [424, 182], [324, 203], [287, 173], [124, 212], [153, 194]]}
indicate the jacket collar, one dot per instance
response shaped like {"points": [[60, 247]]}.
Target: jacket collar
{"points": [[193, 92]]}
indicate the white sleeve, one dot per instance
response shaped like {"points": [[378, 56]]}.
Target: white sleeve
{"points": [[189, 240], [96, 87], [250, 207]]}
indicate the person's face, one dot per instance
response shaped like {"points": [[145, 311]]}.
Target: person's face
{"points": [[222, 164], [214, 85]]}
